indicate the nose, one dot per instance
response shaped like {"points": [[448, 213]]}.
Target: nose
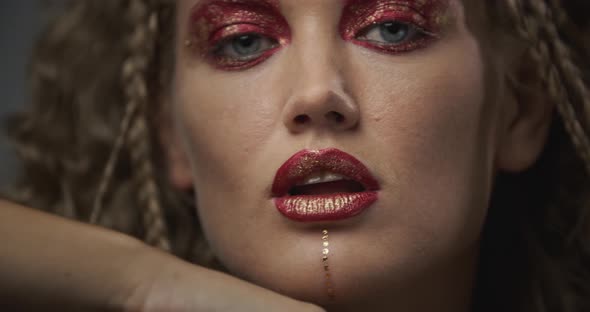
{"points": [[318, 97]]}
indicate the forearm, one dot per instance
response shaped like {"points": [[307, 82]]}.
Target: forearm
{"points": [[46, 260], [52, 264]]}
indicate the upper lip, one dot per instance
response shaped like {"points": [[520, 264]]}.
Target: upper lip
{"points": [[307, 162]]}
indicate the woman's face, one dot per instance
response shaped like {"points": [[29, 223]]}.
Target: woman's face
{"points": [[398, 84]]}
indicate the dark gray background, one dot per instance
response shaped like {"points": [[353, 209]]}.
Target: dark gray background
{"points": [[20, 21]]}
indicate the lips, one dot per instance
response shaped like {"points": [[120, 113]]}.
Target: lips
{"points": [[324, 185]]}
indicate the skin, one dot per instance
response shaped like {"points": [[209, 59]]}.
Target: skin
{"points": [[119, 273], [433, 125]]}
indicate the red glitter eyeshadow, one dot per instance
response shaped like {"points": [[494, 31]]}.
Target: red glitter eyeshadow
{"points": [[427, 16], [214, 21]]}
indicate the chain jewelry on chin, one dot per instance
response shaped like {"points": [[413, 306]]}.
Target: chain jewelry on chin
{"points": [[325, 262]]}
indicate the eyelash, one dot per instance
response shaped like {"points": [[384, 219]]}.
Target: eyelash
{"points": [[417, 38], [419, 28], [227, 36]]}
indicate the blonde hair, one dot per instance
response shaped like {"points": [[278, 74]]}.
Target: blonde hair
{"points": [[90, 154]]}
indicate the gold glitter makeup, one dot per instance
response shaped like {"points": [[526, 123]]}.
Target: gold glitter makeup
{"points": [[325, 262], [326, 207], [215, 23], [426, 20], [331, 206]]}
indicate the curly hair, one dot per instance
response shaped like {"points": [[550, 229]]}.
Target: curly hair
{"points": [[88, 151]]}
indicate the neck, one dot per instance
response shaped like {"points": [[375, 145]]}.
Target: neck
{"points": [[447, 288]]}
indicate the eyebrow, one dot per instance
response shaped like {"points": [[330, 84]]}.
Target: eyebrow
{"points": [[274, 4], [418, 2]]}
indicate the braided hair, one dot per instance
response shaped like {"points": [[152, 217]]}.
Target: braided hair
{"points": [[88, 149], [535, 247], [538, 23], [134, 126]]}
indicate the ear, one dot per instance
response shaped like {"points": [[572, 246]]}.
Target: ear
{"points": [[527, 117], [179, 170]]}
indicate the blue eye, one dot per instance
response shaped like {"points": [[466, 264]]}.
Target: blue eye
{"points": [[244, 46], [391, 33], [394, 32]]}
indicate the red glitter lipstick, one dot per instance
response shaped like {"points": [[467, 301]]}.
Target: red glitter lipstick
{"points": [[323, 185]]}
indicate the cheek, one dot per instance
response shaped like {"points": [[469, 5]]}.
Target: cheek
{"points": [[426, 112], [221, 117], [224, 120]]}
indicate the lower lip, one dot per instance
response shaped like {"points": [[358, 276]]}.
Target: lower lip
{"points": [[330, 207]]}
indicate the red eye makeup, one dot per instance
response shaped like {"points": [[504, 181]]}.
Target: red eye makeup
{"points": [[237, 34], [394, 26]]}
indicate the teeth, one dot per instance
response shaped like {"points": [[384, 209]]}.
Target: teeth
{"points": [[321, 177]]}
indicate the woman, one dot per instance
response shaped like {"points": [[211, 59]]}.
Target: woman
{"points": [[360, 155]]}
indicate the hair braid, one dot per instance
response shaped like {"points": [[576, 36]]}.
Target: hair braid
{"points": [[141, 47], [554, 226], [103, 187], [537, 22], [134, 132]]}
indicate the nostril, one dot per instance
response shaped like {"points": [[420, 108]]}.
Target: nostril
{"points": [[301, 119], [335, 117]]}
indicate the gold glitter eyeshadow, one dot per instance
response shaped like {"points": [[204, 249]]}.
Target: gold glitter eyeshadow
{"points": [[431, 18], [214, 21], [327, 275]]}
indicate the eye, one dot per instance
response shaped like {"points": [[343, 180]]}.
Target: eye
{"points": [[391, 33], [244, 46]]}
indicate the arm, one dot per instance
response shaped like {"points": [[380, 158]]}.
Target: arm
{"points": [[48, 262]]}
